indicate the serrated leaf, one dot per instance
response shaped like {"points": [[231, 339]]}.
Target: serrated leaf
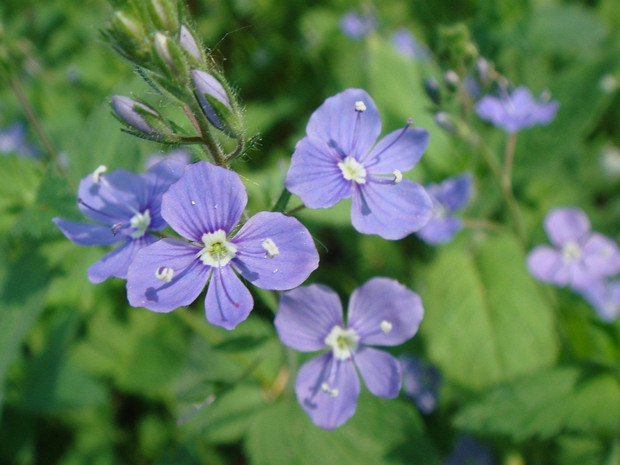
{"points": [[485, 320], [547, 403]]}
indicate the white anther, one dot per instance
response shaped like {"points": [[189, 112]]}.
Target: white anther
{"points": [[270, 247], [164, 273], [98, 172], [398, 176], [193, 203], [352, 170], [329, 391], [360, 106], [386, 326], [217, 251], [140, 222]]}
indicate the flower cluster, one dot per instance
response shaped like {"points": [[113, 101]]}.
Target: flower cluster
{"points": [[579, 258]]}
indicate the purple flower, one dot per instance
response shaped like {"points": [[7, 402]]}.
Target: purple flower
{"points": [[516, 111], [406, 44], [128, 206], [13, 140], [578, 257], [448, 197], [178, 155], [381, 312], [604, 296], [357, 26], [335, 161], [468, 451], [271, 250], [421, 382]]}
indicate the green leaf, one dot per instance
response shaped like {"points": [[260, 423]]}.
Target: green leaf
{"points": [[19, 180], [381, 432], [485, 320], [547, 403]]}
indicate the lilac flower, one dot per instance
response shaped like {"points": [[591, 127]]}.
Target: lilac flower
{"points": [[468, 451], [179, 155], [335, 161], [381, 312], [128, 206], [406, 44], [271, 250], [357, 26], [421, 382], [578, 257], [516, 111], [13, 140], [604, 296], [448, 197]]}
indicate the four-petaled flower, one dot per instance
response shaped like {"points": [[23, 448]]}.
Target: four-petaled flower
{"points": [[128, 206], [579, 257], [272, 251], [335, 161], [516, 111], [381, 312], [421, 382], [449, 196]]}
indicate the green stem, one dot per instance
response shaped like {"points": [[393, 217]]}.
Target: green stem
{"points": [[194, 113], [482, 224], [295, 210], [282, 201]]}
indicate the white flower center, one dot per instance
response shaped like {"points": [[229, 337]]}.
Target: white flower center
{"points": [[140, 223], [352, 170], [571, 252], [217, 251], [270, 247], [343, 342], [164, 273]]}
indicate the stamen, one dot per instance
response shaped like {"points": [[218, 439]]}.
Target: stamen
{"points": [[386, 326], [356, 131], [81, 202], [116, 228], [98, 172], [398, 176], [571, 252], [409, 122], [164, 273], [329, 391], [270, 247], [217, 250], [360, 106], [140, 222]]}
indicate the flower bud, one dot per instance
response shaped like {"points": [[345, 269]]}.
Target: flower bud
{"points": [[451, 78], [212, 97], [172, 60], [132, 113], [483, 67], [431, 86], [442, 119], [188, 42], [128, 36], [164, 14]]}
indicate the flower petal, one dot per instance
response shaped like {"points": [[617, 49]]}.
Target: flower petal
{"points": [[206, 199], [380, 371], [115, 198], [275, 251], [601, 256], [158, 179], [314, 174], [566, 224], [384, 312], [228, 301], [335, 122], [391, 211], [116, 262], [440, 230], [399, 150], [87, 233], [546, 264], [189, 276], [453, 193], [306, 315], [327, 390]]}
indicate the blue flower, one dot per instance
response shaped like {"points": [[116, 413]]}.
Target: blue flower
{"points": [[516, 111], [127, 205], [421, 382], [448, 197], [336, 160], [382, 312], [13, 141], [405, 43], [357, 26], [604, 296], [271, 250]]}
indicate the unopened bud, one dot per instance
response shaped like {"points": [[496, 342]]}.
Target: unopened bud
{"points": [[164, 14], [128, 110], [431, 86], [128, 36], [188, 42], [171, 58], [483, 68], [212, 97], [442, 119], [451, 78]]}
